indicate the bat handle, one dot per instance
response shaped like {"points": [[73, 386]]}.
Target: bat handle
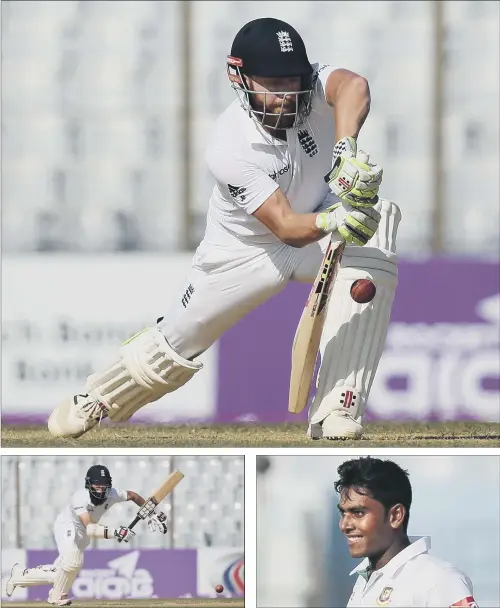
{"points": [[131, 525]]}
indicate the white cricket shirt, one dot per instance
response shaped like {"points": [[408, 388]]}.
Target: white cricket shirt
{"points": [[412, 578], [80, 503], [249, 164]]}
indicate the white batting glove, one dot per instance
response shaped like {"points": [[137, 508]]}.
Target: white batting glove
{"points": [[158, 522], [356, 225], [123, 534], [353, 178]]}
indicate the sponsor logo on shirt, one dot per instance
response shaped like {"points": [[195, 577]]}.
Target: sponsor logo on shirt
{"points": [[468, 601], [237, 192], [280, 172], [187, 295], [385, 597]]}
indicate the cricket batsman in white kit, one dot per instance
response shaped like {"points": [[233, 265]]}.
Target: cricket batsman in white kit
{"points": [[75, 525], [288, 177]]}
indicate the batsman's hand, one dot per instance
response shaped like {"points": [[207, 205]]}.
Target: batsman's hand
{"points": [[353, 178], [124, 534], [158, 522], [356, 225]]}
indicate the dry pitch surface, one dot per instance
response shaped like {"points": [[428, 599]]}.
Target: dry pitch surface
{"points": [[174, 603], [444, 434]]}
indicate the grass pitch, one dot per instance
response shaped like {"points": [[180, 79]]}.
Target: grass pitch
{"points": [[173, 603], [439, 434]]}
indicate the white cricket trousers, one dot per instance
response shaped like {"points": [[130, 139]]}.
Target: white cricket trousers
{"points": [[229, 280], [68, 540]]}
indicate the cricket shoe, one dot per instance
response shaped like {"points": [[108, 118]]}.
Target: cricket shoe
{"points": [[15, 573], [75, 416], [337, 425], [61, 601]]}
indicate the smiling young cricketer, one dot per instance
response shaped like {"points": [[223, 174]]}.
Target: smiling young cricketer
{"points": [[375, 500]]}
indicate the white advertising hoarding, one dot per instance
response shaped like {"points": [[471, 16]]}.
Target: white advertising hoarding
{"points": [[65, 316]]}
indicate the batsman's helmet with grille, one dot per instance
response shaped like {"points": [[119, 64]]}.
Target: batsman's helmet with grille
{"points": [[98, 475], [270, 48]]}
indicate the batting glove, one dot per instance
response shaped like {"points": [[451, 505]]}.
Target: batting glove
{"points": [[353, 178], [356, 225], [123, 534], [158, 522]]}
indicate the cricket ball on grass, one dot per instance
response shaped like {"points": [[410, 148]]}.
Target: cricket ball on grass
{"points": [[219, 588], [363, 291]]}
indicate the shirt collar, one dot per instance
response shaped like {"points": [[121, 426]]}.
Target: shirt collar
{"points": [[418, 545]]}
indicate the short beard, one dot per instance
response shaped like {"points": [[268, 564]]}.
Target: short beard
{"points": [[275, 120]]}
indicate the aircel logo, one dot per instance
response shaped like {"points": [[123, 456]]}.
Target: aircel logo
{"points": [[122, 579], [449, 369], [279, 172]]}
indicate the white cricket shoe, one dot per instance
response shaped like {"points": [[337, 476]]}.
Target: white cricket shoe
{"points": [[76, 416], [14, 573], [61, 601], [337, 425]]}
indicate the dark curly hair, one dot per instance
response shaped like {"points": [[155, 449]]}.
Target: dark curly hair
{"points": [[382, 480]]}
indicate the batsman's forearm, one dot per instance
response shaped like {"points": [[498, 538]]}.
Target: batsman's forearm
{"points": [[134, 497], [351, 107], [299, 230]]}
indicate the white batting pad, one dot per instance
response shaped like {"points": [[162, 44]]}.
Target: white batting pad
{"points": [[31, 577], [69, 567], [354, 334], [385, 237], [148, 369]]}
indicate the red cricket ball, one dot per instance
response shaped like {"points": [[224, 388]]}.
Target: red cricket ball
{"points": [[363, 291], [219, 588]]}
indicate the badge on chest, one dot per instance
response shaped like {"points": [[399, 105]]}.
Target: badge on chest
{"points": [[384, 599], [307, 142]]}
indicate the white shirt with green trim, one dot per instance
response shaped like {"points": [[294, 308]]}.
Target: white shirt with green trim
{"points": [[412, 578], [249, 164]]}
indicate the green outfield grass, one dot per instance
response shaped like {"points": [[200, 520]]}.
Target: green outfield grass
{"points": [[444, 434], [173, 603]]}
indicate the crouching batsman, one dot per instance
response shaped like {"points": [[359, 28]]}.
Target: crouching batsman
{"points": [[74, 528], [288, 178]]}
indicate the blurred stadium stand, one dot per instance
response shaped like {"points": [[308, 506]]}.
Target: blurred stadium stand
{"points": [[205, 510], [102, 153]]}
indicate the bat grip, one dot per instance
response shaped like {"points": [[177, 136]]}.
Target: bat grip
{"points": [[131, 525]]}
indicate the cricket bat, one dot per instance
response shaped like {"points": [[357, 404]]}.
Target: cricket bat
{"points": [[156, 497], [308, 335]]}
